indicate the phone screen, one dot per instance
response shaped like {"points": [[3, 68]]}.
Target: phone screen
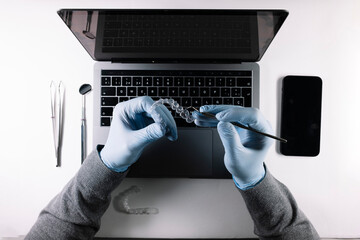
{"points": [[301, 115]]}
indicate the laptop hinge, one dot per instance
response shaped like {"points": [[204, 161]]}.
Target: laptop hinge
{"points": [[168, 60]]}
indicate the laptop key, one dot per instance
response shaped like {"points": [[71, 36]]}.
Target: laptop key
{"points": [[109, 101], [246, 93], [126, 81], [168, 81], [163, 91], [121, 91], [184, 92], [123, 99], [116, 81], [230, 82], [196, 102], [158, 81], [179, 81], [204, 92], [189, 81], [106, 111], [225, 92], [215, 92], [209, 81], [173, 92], [236, 92], [105, 121], [207, 101], [147, 81], [227, 101], [186, 102], [142, 91], [194, 92], [217, 101], [131, 91], [239, 101], [137, 81], [105, 81], [152, 91], [199, 81], [220, 81], [108, 91]]}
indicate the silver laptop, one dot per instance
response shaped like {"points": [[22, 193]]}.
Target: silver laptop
{"points": [[196, 57]]}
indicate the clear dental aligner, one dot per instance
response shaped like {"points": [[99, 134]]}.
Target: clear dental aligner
{"points": [[183, 112], [121, 203]]}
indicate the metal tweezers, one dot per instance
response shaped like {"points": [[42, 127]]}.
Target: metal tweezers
{"points": [[57, 108], [210, 115]]}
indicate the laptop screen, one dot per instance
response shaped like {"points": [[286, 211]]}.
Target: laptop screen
{"points": [[174, 35]]}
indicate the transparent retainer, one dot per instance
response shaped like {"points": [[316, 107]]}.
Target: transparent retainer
{"points": [[121, 203], [183, 112]]}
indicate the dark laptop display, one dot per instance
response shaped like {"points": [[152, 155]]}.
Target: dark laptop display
{"points": [[209, 35], [196, 57]]}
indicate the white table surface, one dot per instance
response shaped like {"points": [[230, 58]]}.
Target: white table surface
{"points": [[318, 38]]}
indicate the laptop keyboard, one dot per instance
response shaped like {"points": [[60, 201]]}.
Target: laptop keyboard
{"points": [[188, 88]]}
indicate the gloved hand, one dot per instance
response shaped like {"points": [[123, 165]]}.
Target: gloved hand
{"points": [[244, 150], [133, 127]]}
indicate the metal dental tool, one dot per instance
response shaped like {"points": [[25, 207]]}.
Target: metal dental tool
{"points": [[84, 89], [210, 115], [57, 108]]}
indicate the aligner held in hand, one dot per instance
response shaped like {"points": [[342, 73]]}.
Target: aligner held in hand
{"points": [[183, 112]]}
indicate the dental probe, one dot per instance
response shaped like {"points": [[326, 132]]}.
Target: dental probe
{"points": [[210, 115]]}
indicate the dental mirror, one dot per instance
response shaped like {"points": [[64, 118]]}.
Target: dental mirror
{"points": [[84, 89]]}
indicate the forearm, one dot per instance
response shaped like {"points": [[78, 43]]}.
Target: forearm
{"points": [[275, 212], [76, 211]]}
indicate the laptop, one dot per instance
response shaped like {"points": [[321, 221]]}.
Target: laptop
{"points": [[196, 57]]}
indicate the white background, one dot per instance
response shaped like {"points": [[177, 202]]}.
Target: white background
{"points": [[319, 38]]}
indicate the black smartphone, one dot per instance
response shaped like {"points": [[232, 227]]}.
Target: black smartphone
{"points": [[301, 115]]}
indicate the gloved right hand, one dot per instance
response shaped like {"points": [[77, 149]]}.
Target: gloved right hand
{"points": [[245, 150], [135, 125]]}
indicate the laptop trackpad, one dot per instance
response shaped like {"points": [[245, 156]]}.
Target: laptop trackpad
{"points": [[189, 156]]}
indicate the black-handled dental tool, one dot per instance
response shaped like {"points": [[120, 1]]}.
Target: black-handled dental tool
{"points": [[210, 115], [83, 90]]}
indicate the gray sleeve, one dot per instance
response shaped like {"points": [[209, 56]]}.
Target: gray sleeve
{"points": [[275, 212], [76, 211]]}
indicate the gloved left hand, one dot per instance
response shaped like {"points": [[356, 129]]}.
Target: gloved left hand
{"points": [[133, 127]]}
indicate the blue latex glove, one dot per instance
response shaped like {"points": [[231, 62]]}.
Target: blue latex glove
{"points": [[244, 150], [133, 127]]}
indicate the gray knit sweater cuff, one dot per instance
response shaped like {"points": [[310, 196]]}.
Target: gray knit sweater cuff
{"points": [[94, 175]]}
